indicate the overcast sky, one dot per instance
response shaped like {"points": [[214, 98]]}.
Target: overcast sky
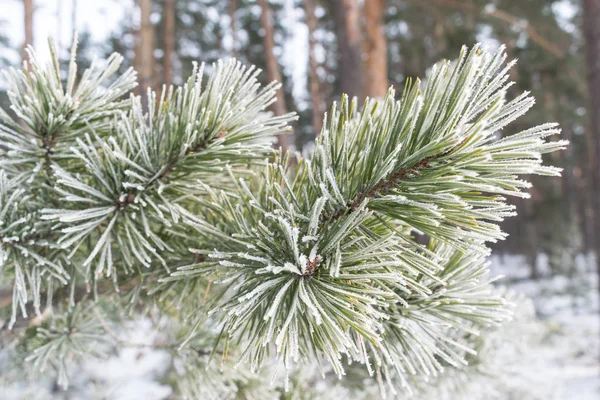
{"points": [[53, 17]]}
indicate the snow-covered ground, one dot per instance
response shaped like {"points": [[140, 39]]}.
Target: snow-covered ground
{"points": [[564, 363], [557, 359]]}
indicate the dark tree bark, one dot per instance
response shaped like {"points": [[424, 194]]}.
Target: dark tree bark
{"points": [[375, 71], [346, 15], [591, 29], [28, 13], [315, 85], [273, 72], [169, 41]]}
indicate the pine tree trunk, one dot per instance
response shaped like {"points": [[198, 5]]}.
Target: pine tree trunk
{"points": [[315, 89], [375, 83], [28, 12], [231, 9], [346, 17], [272, 65], [591, 28], [146, 48], [169, 42]]}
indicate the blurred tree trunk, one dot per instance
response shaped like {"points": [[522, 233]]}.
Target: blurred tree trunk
{"points": [[315, 90], [231, 9], [591, 29], [169, 42], [375, 82], [146, 48], [272, 65], [569, 182], [73, 19], [58, 26], [585, 208], [28, 13], [531, 238], [347, 28]]}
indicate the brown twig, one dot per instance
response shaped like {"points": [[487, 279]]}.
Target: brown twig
{"points": [[386, 184], [311, 267], [131, 195]]}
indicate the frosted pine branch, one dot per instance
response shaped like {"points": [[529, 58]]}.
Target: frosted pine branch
{"points": [[261, 258], [322, 258]]}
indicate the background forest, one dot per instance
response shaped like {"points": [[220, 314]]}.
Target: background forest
{"points": [[319, 49]]}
